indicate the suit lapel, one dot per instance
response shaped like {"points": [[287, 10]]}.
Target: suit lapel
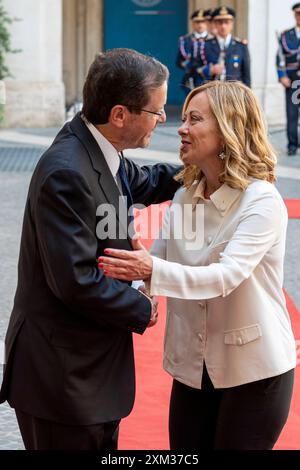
{"points": [[105, 178]]}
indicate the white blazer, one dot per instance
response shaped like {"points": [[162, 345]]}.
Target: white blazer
{"points": [[225, 300]]}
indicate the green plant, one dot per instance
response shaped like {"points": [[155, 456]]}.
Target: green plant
{"points": [[5, 40], [5, 47]]}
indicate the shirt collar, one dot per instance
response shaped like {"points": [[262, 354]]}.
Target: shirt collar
{"points": [[222, 198], [109, 151], [224, 43], [200, 35], [297, 29]]}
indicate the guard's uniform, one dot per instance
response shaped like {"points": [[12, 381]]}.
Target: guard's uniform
{"points": [[190, 55], [288, 65], [190, 58], [229, 52], [236, 57]]}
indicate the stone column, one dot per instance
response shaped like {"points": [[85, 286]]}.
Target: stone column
{"points": [[264, 20], [35, 93], [82, 39]]}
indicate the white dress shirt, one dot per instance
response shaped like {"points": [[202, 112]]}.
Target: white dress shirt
{"points": [[297, 29], [200, 35], [110, 153], [224, 42], [226, 305], [112, 158]]}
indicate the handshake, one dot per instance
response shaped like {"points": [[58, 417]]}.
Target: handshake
{"points": [[154, 303]]}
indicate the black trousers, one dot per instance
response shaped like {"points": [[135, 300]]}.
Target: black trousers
{"points": [[246, 417], [292, 114], [40, 434]]}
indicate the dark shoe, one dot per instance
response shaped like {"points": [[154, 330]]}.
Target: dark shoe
{"points": [[292, 151]]}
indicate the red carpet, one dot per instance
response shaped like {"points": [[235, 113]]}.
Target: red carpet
{"points": [[290, 437], [147, 426], [293, 207]]}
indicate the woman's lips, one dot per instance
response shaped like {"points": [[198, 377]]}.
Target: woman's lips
{"points": [[185, 145]]}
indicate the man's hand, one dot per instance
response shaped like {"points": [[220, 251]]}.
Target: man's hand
{"points": [[154, 314], [286, 82], [154, 302], [217, 69]]}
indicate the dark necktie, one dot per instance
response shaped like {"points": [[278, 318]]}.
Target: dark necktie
{"points": [[122, 174], [124, 181]]}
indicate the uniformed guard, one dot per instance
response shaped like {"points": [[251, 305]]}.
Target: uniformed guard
{"points": [[210, 24], [288, 69], [227, 57], [191, 51]]}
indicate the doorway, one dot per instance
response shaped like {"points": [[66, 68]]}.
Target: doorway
{"points": [[151, 27]]}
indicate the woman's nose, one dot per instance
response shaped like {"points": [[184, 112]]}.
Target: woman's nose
{"points": [[183, 129]]}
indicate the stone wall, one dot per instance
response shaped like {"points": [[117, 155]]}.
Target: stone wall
{"points": [[35, 93], [265, 19]]}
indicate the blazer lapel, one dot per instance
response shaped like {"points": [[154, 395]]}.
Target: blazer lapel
{"points": [[106, 180]]}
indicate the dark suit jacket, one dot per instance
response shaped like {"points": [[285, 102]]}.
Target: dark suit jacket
{"points": [[69, 353], [237, 60]]}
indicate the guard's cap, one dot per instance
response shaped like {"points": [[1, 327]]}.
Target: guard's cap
{"points": [[223, 13], [198, 15], [296, 7], [208, 13]]}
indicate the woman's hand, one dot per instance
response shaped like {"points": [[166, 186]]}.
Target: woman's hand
{"points": [[127, 265]]}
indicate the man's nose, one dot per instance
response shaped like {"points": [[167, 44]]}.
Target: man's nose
{"points": [[163, 117]]}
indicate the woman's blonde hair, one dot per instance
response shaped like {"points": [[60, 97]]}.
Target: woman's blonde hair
{"points": [[247, 150]]}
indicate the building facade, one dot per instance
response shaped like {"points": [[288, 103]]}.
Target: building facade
{"points": [[59, 39]]}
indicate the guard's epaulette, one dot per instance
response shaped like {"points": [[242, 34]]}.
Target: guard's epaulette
{"points": [[182, 38], [287, 31], [212, 38], [242, 41]]}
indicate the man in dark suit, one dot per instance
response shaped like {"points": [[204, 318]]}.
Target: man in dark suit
{"points": [[288, 70], [227, 57], [69, 370]]}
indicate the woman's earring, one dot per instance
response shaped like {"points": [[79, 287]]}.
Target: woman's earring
{"points": [[222, 155]]}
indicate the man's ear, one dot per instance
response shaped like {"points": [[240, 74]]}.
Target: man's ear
{"points": [[118, 115]]}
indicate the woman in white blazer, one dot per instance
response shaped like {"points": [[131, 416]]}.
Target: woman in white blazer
{"points": [[219, 259]]}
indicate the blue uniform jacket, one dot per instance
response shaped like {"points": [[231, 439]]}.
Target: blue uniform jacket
{"points": [[237, 60], [288, 55], [190, 57]]}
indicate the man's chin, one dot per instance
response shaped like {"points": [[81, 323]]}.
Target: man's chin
{"points": [[141, 144], [145, 143]]}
